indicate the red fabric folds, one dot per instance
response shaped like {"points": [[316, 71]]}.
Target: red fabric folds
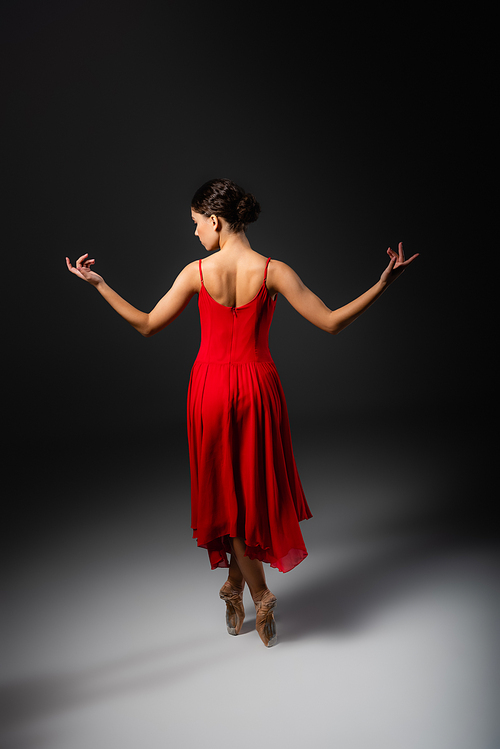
{"points": [[244, 481]]}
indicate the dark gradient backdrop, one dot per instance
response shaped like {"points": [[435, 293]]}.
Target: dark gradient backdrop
{"points": [[353, 135]]}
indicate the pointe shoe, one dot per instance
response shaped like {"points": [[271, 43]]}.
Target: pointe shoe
{"points": [[235, 612], [264, 620]]}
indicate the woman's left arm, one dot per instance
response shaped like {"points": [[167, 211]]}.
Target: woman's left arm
{"points": [[284, 280], [185, 286]]}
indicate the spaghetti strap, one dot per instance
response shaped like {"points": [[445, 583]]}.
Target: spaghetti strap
{"points": [[201, 274], [265, 272]]}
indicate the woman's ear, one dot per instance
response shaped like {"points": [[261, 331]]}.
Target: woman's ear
{"points": [[216, 222]]}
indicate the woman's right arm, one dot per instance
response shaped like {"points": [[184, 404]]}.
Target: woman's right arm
{"points": [[185, 286], [282, 279]]}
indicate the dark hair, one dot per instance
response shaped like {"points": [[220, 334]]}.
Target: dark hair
{"points": [[224, 198]]}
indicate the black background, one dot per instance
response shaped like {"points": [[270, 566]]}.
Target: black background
{"points": [[354, 131]]}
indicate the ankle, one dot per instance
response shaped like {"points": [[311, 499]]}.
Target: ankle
{"points": [[258, 594], [236, 584]]}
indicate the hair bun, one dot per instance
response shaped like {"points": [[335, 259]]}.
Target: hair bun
{"points": [[223, 197], [248, 209]]}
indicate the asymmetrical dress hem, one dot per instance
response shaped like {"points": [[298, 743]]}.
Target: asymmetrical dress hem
{"points": [[244, 480]]}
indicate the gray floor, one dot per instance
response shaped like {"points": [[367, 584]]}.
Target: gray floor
{"points": [[114, 636]]}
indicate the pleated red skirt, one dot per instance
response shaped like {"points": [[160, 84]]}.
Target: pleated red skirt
{"points": [[244, 481]]}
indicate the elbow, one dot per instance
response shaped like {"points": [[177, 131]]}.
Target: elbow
{"points": [[332, 325], [145, 328], [336, 325], [148, 331], [336, 329]]}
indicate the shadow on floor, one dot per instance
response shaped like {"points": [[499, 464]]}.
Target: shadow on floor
{"points": [[342, 600]]}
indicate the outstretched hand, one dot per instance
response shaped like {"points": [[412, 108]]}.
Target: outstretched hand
{"points": [[397, 264], [83, 270]]}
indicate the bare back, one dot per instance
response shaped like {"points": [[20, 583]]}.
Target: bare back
{"points": [[234, 279]]}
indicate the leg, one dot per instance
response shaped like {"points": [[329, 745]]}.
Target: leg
{"points": [[265, 601], [232, 593], [235, 577], [252, 570]]}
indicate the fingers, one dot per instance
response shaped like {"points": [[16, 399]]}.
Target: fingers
{"points": [[82, 263], [397, 264], [400, 256], [72, 268], [391, 264], [411, 259], [82, 268], [80, 259]]}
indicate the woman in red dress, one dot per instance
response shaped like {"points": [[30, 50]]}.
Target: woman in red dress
{"points": [[246, 497]]}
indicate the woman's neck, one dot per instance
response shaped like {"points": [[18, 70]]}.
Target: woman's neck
{"points": [[234, 242]]}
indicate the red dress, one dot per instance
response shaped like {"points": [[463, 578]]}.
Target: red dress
{"points": [[244, 480]]}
